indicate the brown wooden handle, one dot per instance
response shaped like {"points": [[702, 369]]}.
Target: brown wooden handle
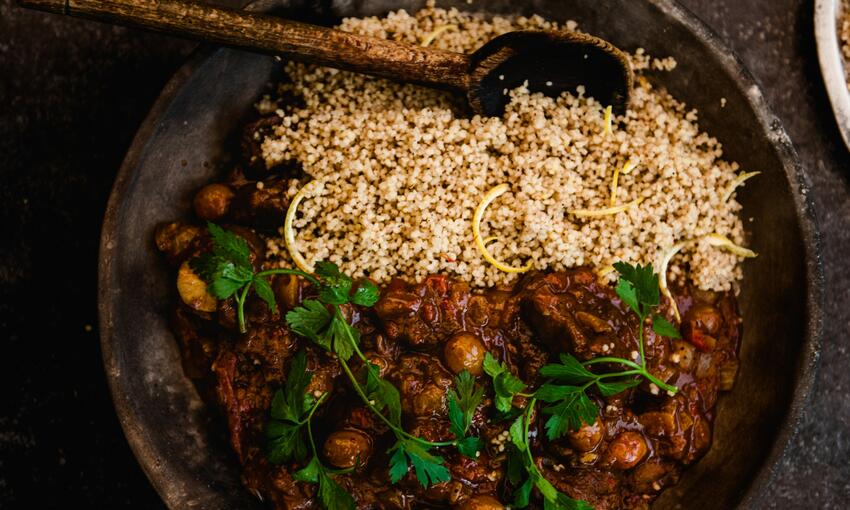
{"points": [[268, 34]]}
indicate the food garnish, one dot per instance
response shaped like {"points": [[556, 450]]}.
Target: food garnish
{"points": [[566, 389], [592, 213], [737, 181], [627, 168], [476, 231], [291, 413], [713, 239], [521, 460], [462, 402], [662, 276], [428, 39], [724, 242], [607, 119], [289, 233]]}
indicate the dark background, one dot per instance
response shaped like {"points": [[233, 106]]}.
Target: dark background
{"points": [[73, 93]]}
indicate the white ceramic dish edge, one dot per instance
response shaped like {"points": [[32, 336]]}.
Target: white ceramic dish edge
{"points": [[827, 19]]}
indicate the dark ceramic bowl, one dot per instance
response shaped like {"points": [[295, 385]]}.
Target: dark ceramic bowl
{"points": [[183, 143]]}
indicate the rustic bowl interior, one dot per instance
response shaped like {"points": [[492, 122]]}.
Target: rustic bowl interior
{"points": [[183, 144]]}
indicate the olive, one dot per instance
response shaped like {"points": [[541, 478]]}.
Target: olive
{"points": [[481, 502], [346, 448], [464, 351], [212, 202], [587, 437], [626, 450], [193, 290]]}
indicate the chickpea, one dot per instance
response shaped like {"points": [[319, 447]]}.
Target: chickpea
{"points": [[626, 450], [587, 437], [464, 351], [193, 290], [346, 448], [481, 502], [212, 202]]}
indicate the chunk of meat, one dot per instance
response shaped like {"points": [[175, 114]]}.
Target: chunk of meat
{"points": [[423, 314], [176, 240], [262, 204], [564, 309], [422, 383]]}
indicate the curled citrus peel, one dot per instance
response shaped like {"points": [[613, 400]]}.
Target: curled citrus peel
{"points": [[721, 241], [428, 39], [662, 276], [491, 195], [592, 213], [737, 181], [714, 239], [607, 119], [628, 166], [289, 233]]}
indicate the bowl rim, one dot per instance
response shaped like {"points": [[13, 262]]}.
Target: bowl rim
{"points": [[797, 179], [832, 63]]}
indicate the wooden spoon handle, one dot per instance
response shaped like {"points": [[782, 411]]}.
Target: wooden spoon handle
{"points": [[268, 34]]}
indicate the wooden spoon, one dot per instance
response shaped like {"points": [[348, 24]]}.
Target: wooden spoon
{"points": [[551, 62]]}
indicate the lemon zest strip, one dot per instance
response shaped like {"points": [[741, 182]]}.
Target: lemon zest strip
{"points": [[289, 233], [428, 39], [725, 243], [592, 213], [476, 231], [628, 166], [737, 182], [662, 275], [607, 120]]}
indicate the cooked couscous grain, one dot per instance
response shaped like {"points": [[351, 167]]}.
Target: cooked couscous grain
{"points": [[402, 169]]}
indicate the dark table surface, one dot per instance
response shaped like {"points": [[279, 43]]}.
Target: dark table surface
{"points": [[73, 93]]}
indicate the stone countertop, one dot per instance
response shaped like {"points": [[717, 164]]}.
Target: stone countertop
{"points": [[73, 93]]}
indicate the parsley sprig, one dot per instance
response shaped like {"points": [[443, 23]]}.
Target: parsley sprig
{"points": [[322, 321], [292, 411], [228, 271], [462, 402], [569, 380], [505, 385], [521, 459]]}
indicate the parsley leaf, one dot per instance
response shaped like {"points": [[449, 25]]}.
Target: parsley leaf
{"points": [[383, 393], [310, 472], [333, 496], [285, 442], [365, 294], [470, 446], [569, 370], [264, 290], [463, 402], [429, 468], [335, 285], [505, 384], [309, 320], [663, 327], [284, 431], [228, 245], [644, 282], [615, 387], [569, 413]]}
